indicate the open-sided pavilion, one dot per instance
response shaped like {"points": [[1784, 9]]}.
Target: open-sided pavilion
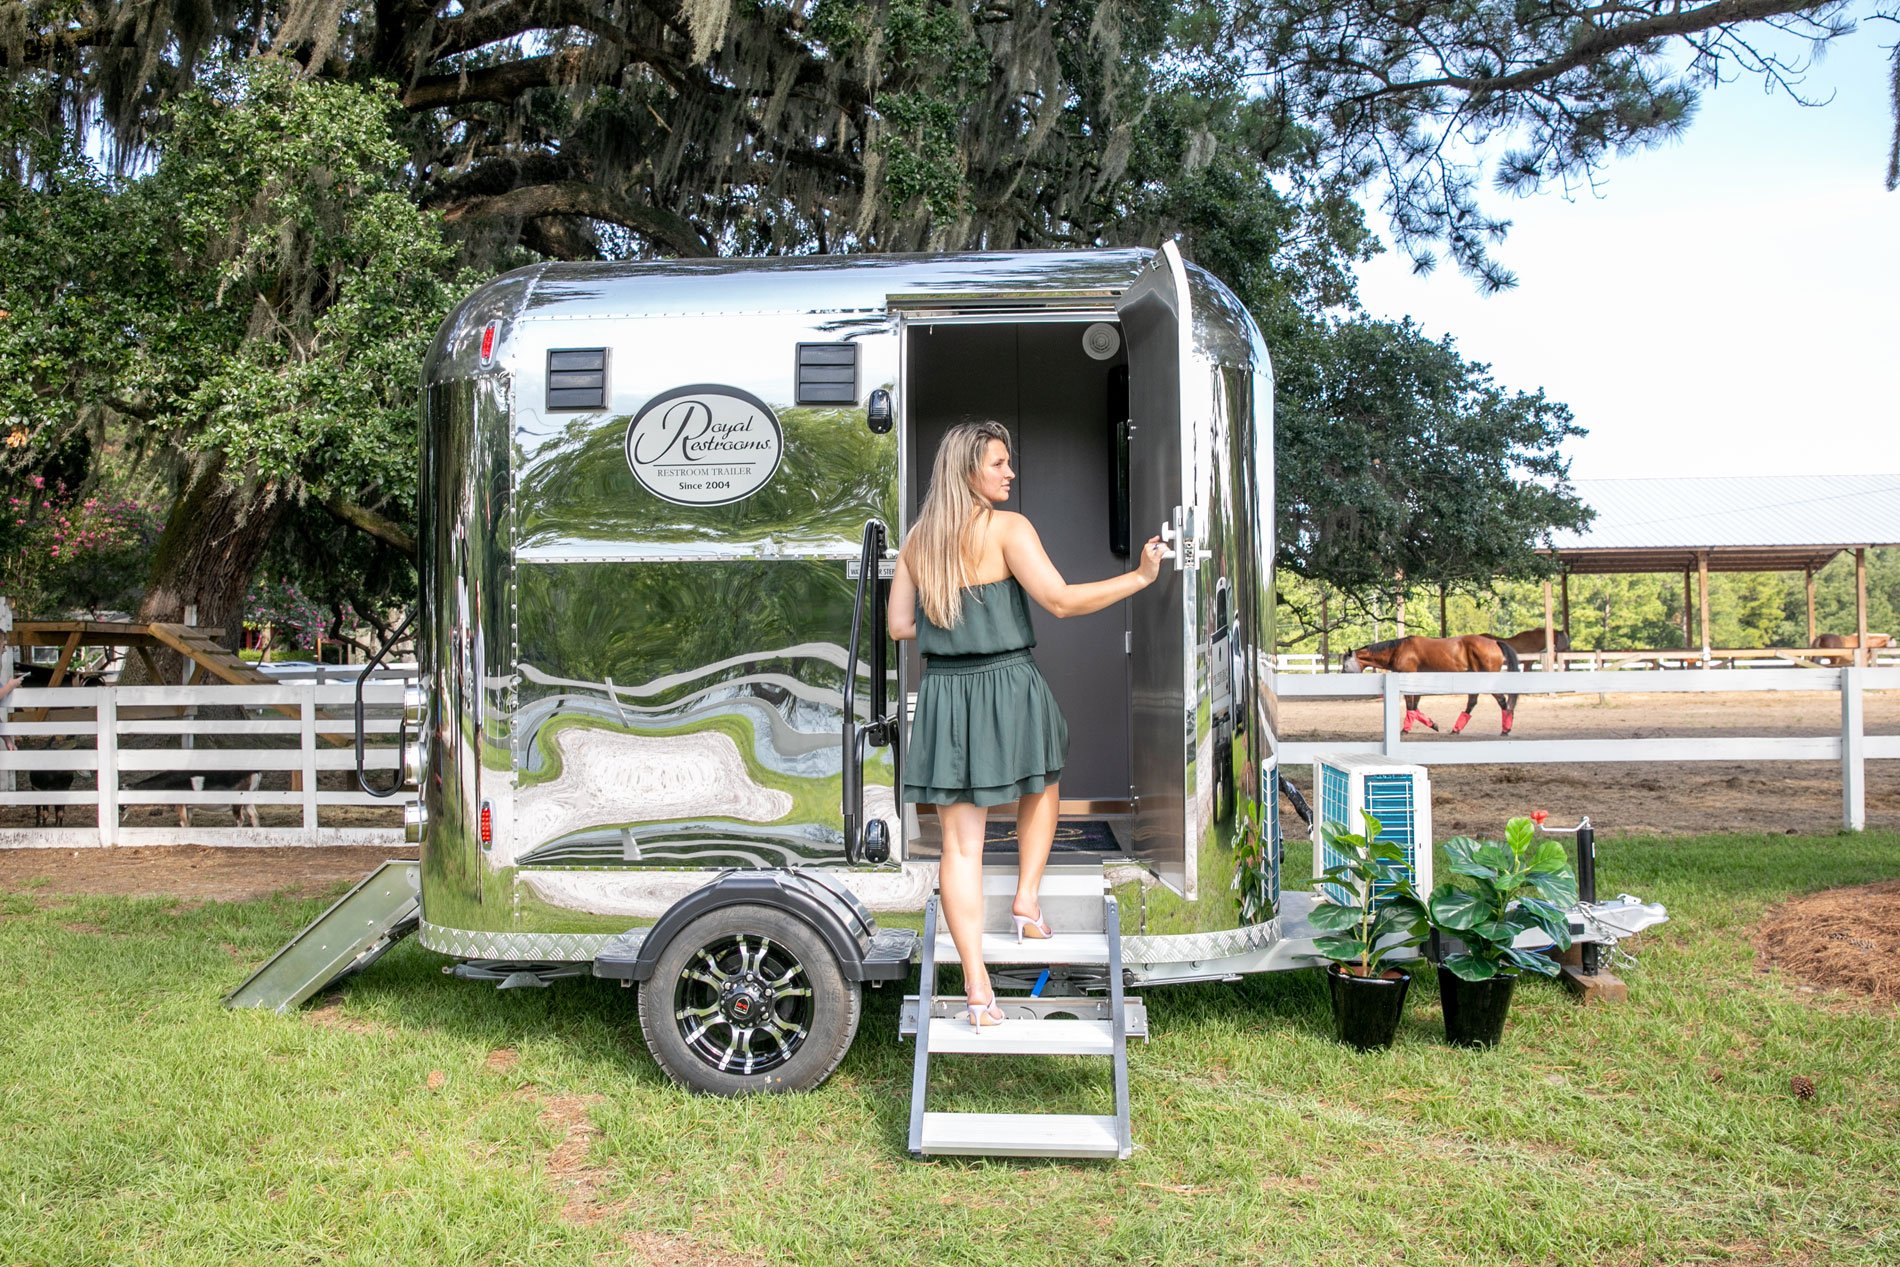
{"points": [[1698, 525]]}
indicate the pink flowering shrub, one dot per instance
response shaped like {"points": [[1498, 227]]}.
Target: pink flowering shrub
{"points": [[293, 617], [62, 554]]}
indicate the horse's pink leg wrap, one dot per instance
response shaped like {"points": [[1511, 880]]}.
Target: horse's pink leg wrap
{"points": [[1464, 719], [1508, 715], [1414, 715]]}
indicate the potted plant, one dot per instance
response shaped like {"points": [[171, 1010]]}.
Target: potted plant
{"points": [[1372, 911], [1500, 891]]}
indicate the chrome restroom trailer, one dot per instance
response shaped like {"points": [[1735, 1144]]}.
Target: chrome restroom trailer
{"points": [[660, 723], [660, 728]]}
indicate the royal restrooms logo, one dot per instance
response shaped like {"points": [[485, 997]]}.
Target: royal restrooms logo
{"points": [[704, 445]]}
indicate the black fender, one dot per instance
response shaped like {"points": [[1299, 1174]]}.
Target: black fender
{"points": [[833, 911]]}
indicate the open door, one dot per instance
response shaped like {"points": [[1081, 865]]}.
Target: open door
{"points": [[1156, 323]]}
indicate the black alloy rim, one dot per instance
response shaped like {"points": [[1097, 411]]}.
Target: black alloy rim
{"points": [[743, 1004]]}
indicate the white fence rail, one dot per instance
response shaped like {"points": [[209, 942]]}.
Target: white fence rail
{"points": [[1638, 661], [107, 733], [1853, 747]]}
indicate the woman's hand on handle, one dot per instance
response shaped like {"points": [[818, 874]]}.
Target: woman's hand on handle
{"points": [[1151, 555]]}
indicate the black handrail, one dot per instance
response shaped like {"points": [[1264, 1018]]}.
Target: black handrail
{"points": [[402, 731], [882, 728]]}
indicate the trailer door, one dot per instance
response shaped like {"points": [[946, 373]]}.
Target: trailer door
{"points": [[1156, 322]]}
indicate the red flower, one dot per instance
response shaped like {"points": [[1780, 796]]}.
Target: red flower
{"points": [[1538, 816]]}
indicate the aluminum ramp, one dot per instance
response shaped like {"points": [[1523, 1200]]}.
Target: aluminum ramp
{"points": [[1077, 902], [350, 936]]}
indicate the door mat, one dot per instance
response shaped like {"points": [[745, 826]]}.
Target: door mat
{"points": [[1087, 835]]}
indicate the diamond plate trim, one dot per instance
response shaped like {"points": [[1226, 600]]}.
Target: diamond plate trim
{"points": [[464, 943], [1186, 947]]}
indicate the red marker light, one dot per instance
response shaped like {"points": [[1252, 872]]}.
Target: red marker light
{"points": [[488, 824], [488, 343]]}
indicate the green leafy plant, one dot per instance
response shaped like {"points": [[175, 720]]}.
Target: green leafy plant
{"points": [[1253, 865], [1385, 914], [1503, 890]]}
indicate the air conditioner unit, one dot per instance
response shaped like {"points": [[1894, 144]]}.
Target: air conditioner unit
{"points": [[1398, 795]]}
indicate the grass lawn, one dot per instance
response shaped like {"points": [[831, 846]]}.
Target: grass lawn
{"points": [[416, 1119]]}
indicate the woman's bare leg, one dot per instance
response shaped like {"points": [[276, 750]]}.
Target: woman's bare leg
{"points": [[1035, 837], [960, 880]]}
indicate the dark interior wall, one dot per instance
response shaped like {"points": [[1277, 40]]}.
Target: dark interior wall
{"points": [[1036, 380]]}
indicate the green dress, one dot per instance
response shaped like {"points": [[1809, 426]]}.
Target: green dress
{"points": [[987, 729]]}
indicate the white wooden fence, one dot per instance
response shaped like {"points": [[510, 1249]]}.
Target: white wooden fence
{"points": [[85, 732], [276, 733], [1853, 747]]}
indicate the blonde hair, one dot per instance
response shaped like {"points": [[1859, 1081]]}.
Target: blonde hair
{"points": [[938, 549]]}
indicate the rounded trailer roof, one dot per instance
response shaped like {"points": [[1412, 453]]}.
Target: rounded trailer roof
{"points": [[829, 283]]}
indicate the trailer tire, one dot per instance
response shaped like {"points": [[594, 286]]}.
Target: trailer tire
{"points": [[748, 999]]}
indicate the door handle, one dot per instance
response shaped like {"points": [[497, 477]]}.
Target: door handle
{"points": [[1193, 538], [1178, 536]]}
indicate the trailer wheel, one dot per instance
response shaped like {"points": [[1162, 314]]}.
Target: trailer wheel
{"points": [[748, 999]]}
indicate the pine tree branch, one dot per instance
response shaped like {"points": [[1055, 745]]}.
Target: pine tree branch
{"points": [[1590, 48]]}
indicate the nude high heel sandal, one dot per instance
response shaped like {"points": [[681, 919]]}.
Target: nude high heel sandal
{"points": [[984, 1015], [1034, 927]]}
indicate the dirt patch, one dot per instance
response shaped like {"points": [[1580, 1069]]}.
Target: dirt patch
{"points": [[579, 1182], [203, 872], [502, 1060], [330, 1016], [577, 1179], [657, 1249], [1842, 939]]}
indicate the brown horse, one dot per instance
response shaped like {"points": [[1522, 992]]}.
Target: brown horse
{"points": [[1851, 642], [1473, 653], [1531, 641]]}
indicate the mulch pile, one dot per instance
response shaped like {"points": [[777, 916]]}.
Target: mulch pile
{"points": [[1842, 939]]}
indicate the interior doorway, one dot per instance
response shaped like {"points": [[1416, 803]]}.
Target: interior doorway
{"points": [[1065, 402]]}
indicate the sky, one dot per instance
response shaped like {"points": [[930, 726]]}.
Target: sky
{"points": [[1727, 304]]}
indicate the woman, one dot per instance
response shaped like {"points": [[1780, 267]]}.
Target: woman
{"points": [[987, 729]]}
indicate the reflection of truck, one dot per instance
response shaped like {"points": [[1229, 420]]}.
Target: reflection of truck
{"points": [[1223, 692]]}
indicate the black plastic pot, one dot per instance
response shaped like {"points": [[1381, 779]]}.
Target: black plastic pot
{"points": [[1366, 1010], [1474, 1010]]}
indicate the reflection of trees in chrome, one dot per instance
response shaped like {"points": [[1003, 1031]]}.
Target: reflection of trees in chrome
{"points": [[693, 844], [637, 623], [835, 474]]}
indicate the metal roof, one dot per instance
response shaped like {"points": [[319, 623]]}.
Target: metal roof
{"points": [[1744, 523]]}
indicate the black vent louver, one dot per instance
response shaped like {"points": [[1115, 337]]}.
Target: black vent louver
{"points": [[827, 373], [577, 378]]}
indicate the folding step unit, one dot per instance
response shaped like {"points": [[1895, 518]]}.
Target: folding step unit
{"points": [[1077, 903]]}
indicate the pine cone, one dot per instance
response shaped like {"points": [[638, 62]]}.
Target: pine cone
{"points": [[1803, 1088]]}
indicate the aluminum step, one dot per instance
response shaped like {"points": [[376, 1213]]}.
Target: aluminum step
{"points": [[1003, 948], [1019, 1135], [955, 1036], [1035, 1026], [1071, 900], [1043, 1007]]}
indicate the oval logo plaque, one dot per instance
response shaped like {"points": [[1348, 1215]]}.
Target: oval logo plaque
{"points": [[704, 445]]}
